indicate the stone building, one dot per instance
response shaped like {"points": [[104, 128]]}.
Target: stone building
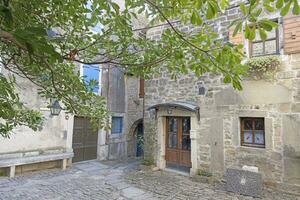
{"points": [[126, 106], [202, 124], [66, 138]]}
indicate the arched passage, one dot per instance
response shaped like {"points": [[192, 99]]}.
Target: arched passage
{"points": [[135, 140]]}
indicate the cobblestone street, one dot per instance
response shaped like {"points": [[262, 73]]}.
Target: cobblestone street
{"points": [[110, 180]]}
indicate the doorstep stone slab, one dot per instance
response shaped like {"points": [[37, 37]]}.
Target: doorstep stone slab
{"points": [[244, 182]]}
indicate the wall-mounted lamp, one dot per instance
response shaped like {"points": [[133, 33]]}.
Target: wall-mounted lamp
{"points": [[55, 108]]}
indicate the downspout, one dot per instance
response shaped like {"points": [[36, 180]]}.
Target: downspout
{"points": [[108, 108], [144, 121]]}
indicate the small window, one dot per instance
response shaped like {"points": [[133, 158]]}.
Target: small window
{"points": [[253, 132], [116, 125], [270, 46], [91, 76]]}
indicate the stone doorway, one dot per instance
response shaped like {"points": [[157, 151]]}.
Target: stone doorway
{"points": [[135, 146], [139, 135], [178, 143]]}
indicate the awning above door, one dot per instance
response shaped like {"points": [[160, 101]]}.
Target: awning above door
{"points": [[190, 106], [184, 105]]}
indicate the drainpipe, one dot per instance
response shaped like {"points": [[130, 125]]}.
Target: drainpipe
{"points": [[144, 122], [108, 107]]}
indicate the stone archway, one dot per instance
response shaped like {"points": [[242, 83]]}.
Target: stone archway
{"points": [[134, 131]]}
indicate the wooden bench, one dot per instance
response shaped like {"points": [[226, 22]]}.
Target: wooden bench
{"points": [[13, 162]]}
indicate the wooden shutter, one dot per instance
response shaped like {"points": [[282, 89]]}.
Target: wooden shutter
{"points": [[291, 26], [237, 39], [142, 90]]}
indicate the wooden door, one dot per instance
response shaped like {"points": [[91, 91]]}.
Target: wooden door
{"points": [[178, 142], [85, 140]]}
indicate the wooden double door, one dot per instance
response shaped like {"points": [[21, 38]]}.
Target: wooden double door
{"points": [[178, 142], [85, 140]]}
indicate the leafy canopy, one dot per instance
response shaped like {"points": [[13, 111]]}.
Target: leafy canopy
{"points": [[49, 62]]}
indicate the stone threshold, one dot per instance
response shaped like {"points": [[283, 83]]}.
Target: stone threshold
{"points": [[177, 171]]}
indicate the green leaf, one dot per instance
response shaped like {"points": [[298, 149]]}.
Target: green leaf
{"points": [[263, 34], [196, 19], [252, 33], [268, 7], [211, 10], [227, 79], [115, 6], [285, 9], [224, 4], [247, 31], [243, 8], [237, 28], [258, 12], [279, 4], [268, 25], [296, 8]]}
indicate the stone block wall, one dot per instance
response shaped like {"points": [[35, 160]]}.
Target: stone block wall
{"points": [[221, 107], [123, 101], [134, 115]]}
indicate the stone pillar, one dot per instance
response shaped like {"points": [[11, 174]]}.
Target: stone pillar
{"points": [[102, 150], [194, 135], [64, 164], [69, 124], [161, 158], [12, 171], [194, 147]]}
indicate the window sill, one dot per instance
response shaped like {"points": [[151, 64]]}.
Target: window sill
{"points": [[271, 54], [116, 135], [254, 147]]}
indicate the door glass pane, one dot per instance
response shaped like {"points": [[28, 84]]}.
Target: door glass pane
{"points": [[172, 140], [186, 125], [248, 137], [186, 142], [270, 47], [173, 133], [247, 124], [172, 125], [259, 137]]}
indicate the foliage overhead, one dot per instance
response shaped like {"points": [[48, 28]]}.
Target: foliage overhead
{"points": [[49, 61]]}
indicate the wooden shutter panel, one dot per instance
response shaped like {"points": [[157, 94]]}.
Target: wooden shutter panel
{"points": [[237, 39], [291, 26], [142, 86]]}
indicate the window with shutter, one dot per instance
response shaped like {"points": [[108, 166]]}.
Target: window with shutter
{"points": [[91, 73], [291, 26], [270, 46]]}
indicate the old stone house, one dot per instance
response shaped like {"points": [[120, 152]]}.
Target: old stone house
{"points": [[125, 103], [201, 124], [66, 138]]}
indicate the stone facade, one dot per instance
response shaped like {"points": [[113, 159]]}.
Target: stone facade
{"points": [[57, 132], [122, 93], [54, 138], [216, 137]]}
